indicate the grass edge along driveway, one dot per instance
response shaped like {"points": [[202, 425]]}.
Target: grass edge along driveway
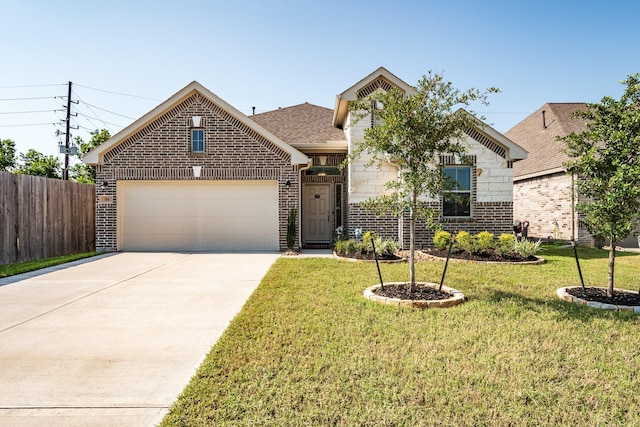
{"points": [[308, 349]]}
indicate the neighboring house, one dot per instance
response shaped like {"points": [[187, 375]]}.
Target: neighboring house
{"points": [[543, 191], [197, 174]]}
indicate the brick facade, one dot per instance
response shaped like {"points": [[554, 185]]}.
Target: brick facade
{"points": [[161, 151], [546, 202]]}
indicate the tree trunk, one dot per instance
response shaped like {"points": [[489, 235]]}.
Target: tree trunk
{"points": [[412, 244], [612, 259]]}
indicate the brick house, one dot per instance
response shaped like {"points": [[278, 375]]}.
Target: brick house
{"points": [[544, 194], [542, 190], [197, 174]]}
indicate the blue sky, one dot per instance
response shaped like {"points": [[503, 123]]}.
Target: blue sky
{"points": [[271, 54]]}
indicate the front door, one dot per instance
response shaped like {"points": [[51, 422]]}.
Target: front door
{"points": [[316, 214]]}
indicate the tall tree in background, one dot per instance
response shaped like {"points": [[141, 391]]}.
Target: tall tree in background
{"points": [[606, 158], [86, 173], [37, 164], [413, 130], [7, 155]]}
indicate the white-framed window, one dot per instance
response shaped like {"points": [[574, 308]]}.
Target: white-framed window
{"points": [[197, 140], [456, 201]]}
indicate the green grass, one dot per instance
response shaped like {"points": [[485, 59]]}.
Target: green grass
{"points": [[308, 349], [24, 267]]}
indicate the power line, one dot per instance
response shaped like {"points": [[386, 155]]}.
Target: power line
{"points": [[100, 120], [117, 93], [27, 112], [25, 86], [90, 109], [30, 124], [27, 99], [106, 111]]}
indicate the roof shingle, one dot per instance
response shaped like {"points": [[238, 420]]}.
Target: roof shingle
{"points": [[303, 123], [546, 153]]}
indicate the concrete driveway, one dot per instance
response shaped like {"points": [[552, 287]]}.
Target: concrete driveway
{"points": [[112, 341]]}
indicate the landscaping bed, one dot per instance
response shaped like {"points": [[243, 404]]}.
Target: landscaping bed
{"points": [[486, 256], [403, 291], [600, 295]]}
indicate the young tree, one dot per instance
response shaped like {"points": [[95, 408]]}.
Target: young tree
{"points": [[606, 159], [37, 164], [7, 154], [414, 130], [87, 173]]}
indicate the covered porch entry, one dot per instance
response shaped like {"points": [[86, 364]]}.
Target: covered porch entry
{"points": [[322, 202]]}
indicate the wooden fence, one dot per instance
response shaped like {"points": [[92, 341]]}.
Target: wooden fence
{"points": [[42, 217]]}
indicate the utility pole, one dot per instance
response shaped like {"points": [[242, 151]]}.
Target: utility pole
{"points": [[65, 174]]}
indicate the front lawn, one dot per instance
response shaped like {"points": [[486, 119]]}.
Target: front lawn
{"points": [[308, 349]]}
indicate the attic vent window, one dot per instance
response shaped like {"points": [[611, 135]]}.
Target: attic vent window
{"points": [[196, 125]]}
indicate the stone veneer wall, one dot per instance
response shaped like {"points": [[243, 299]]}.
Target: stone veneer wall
{"points": [[161, 151], [492, 193]]}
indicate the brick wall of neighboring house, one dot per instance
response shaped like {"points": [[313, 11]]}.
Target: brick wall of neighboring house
{"points": [[547, 204], [161, 151]]}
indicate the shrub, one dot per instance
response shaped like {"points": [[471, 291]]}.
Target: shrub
{"points": [[526, 248], [346, 246], [442, 239], [386, 247], [506, 244], [485, 240], [291, 228], [383, 247], [467, 242]]}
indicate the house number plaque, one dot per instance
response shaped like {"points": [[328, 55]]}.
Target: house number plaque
{"points": [[105, 200]]}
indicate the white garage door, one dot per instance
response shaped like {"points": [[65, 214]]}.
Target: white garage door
{"points": [[197, 215]]}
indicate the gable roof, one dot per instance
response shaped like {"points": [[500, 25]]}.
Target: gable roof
{"points": [[494, 140], [304, 126], [538, 137], [96, 156], [379, 79]]}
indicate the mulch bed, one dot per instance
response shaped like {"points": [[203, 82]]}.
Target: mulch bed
{"points": [[488, 255], [420, 293], [368, 256], [600, 295]]}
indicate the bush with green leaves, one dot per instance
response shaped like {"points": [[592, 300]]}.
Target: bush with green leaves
{"points": [[386, 247], [346, 246], [485, 240], [526, 248], [505, 246], [442, 239], [383, 246], [467, 242]]}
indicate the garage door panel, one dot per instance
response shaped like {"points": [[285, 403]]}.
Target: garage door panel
{"points": [[198, 215]]}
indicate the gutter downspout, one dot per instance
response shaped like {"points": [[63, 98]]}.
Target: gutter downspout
{"points": [[304, 168]]}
